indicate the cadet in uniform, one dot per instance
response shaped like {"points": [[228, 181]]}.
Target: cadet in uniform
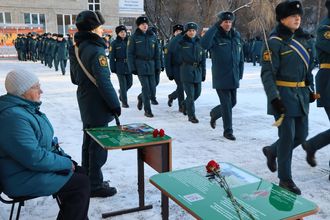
{"points": [[192, 68], [61, 53], [227, 68], [143, 60], [97, 99], [118, 63], [322, 81], [172, 67], [286, 75]]}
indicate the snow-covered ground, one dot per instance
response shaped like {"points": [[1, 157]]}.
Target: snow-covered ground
{"points": [[193, 144]]}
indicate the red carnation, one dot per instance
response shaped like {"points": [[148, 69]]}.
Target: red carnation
{"points": [[155, 133], [161, 133], [212, 166]]}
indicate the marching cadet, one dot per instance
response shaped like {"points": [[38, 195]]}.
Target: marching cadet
{"points": [[18, 46], [97, 99], [286, 74], [118, 63], [227, 69], [61, 53], [46, 48], [69, 40], [33, 47], [322, 81], [143, 60], [192, 68], [52, 48], [172, 66]]}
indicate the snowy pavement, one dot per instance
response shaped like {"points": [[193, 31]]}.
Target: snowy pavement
{"points": [[193, 144]]}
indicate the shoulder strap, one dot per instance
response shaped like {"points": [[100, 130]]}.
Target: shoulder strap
{"points": [[90, 77], [298, 47]]}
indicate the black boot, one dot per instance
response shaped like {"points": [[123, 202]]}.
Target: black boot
{"points": [[271, 159], [170, 101], [154, 102], [104, 191], [125, 105], [310, 155], [290, 185], [139, 104], [193, 119], [148, 114], [230, 137]]}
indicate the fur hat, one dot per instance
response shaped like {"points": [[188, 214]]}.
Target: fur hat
{"points": [[89, 20], [177, 27], [226, 15], [120, 28], [288, 8], [141, 20], [19, 81], [191, 25]]}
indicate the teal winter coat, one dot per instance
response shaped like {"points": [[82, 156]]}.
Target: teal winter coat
{"points": [[29, 164]]}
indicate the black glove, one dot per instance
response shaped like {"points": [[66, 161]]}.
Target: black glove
{"points": [[203, 78], [312, 97], [134, 72], [113, 71], [116, 111], [278, 105], [162, 69], [171, 77]]}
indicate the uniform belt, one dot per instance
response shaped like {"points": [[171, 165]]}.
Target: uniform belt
{"points": [[325, 66], [290, 84], [144, 58], [194, 64], [121, 59]]}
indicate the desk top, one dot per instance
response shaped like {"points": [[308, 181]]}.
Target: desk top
{"points": [[206, 200], [126, 136]]}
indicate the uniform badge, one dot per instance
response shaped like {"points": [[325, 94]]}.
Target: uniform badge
{"points": [[266, 56], [110, 49], [165, 50], [327, 35], [103, 61]]}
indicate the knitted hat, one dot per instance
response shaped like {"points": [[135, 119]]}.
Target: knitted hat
{"points": [[226, 15], [120, 28], [177, 27], [19, 81], [288, 8], [141, 20], [89, 20]]}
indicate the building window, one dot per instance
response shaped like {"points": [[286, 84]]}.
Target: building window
{"points": [[64, 22], [35, 18], [94, 5], [5, 18]]}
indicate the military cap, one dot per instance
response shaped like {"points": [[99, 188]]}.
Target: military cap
{"points": [[191, 25], [89, 20], [141, 20], [48, 34], [288, 8], [54, 35], [177, 27], [120, 28], [33, 34], [225, 16], [60, 35]]}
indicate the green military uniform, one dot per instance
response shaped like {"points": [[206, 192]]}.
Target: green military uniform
{"points": [[286, 74], [143, 60]]}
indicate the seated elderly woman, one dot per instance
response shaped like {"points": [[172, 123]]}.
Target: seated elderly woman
{"points": [[31, 163]]}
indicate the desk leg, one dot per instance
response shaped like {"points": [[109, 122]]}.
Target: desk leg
{"points": [[165, 168], [142, 206]]}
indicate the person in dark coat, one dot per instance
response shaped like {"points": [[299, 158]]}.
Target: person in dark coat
{"points": [[31, 161], [172, 66], [118, 63], [322, 81], [192, 68], [46, 48], [33, 47], [98, 103], [288, 83], [224, 42], [143, 61], [256, 50], [61, 53], [52, 52]]}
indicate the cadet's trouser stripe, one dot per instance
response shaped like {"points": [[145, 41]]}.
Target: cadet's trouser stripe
{"points": [[325, 66]]}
